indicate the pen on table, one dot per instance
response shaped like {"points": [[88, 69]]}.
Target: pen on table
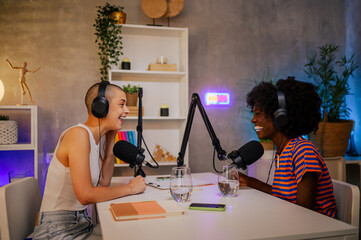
{"points": [[153, 184]]}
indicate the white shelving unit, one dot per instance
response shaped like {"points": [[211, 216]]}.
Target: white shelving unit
{"points": [[142, 45], [27, 119]]}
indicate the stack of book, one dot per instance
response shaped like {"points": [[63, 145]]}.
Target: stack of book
{"points": [[133, 111], [162, 67], [145, 210], [128, 136]]}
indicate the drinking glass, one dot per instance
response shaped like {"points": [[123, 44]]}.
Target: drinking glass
{"points": [[228, 181], [181, 184]]}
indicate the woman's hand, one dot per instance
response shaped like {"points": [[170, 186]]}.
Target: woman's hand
{"points": [[243, 179], [137, 185]]}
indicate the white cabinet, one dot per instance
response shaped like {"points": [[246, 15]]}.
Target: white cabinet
{"points": [[12, 156], [142, 45]]}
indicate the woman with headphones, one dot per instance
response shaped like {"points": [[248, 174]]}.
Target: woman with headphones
{"points": [[284, 113], [81, 169]]}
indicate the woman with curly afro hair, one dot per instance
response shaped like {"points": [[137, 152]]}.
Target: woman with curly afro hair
{"points": [[283, 113]]}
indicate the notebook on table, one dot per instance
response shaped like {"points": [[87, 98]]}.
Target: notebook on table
{"points": [[145, 210]]}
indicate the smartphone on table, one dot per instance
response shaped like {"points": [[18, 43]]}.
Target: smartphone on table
{"points": [[208, 206]]}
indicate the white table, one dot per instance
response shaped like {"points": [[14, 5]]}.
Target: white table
{"points": [[250, 215]]}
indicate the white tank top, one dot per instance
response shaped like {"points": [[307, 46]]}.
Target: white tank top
{"points": [[59, 193]]}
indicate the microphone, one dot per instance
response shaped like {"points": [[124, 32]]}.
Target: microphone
{"points": [[247, 154], [129, 153]]}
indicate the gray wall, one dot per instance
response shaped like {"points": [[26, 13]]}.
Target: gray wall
{"points": [[231, 44]]}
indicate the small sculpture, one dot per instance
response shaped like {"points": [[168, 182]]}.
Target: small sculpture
{"points": [[162, 155], [22, 81]]}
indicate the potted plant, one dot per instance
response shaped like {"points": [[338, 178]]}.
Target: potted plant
{"points": [[8, 130], [331, 76], [108, 37], [131, 91]]}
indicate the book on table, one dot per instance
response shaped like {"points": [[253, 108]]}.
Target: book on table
{"points": [[145, 210]]}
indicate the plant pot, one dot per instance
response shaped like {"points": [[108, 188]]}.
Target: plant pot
{"points": [[8, 132], [332, 138], [132, 99], [119, 17]]}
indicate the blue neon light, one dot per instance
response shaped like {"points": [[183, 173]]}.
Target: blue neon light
{"points": [[213, 98]]}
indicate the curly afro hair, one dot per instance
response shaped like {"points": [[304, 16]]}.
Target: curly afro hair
{"points": [[303, 104]]}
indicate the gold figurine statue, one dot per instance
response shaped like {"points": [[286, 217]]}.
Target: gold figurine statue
{"points": [[23, 71]]}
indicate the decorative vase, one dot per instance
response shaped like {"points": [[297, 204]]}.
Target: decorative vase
{"points": [[132, 99], [332, 138], [8, 132], [119, 17]]}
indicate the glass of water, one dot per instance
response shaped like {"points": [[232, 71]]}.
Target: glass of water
{"points": [[181, 184], [228, 181]]}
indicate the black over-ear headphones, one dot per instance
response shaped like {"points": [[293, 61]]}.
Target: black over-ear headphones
{"points": [[100, 104], [280, 115]]}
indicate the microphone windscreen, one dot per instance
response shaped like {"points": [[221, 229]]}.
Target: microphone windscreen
{"points": [[125, 151], [251, 152]]}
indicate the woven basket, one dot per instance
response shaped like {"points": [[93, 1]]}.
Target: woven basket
{"points": [[332, 138], [8, 132]]}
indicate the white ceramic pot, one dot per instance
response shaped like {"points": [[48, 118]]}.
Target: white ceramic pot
{"points": [[8, 132]]}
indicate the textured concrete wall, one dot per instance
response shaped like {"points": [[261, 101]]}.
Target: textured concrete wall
{"points": [[231, 43]]}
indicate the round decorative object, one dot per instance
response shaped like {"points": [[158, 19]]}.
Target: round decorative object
{"points": [[119, 17], [154, 8], [8, 132], [174, 8]]}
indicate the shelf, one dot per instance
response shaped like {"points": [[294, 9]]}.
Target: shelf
{"points": [[118, 74], [11, 147], [17, 107], [143, 45], [153, 30], [24, 154]]}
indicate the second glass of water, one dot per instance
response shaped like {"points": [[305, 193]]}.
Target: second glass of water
{"points": [[228, 181], [181, 184]]}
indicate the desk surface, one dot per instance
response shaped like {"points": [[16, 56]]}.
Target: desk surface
{"points": [[250, 215]]}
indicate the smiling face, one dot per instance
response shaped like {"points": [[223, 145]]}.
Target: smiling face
{"points": [[117, 108], [263, 124]]}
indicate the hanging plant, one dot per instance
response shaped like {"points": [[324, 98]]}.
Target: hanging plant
{"points": [[108, 37]]}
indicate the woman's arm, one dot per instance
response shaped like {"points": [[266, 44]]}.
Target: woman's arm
{"points": [[109, 160], [76, 147], [245, 180], [307, 190]]}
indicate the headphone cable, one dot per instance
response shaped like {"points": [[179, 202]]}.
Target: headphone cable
{"points": [[100, 170]]}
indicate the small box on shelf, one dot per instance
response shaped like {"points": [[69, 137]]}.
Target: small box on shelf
{"points": [[133, 111], [163, 67]]}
